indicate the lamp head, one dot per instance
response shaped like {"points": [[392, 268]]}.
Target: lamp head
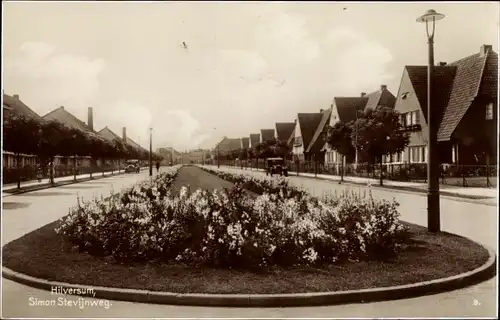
{"points": [[430, 15]]}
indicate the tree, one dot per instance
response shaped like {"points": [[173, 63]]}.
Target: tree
{"points": [[73, 144], [21, 135], [53, 134], [379, 133], [339, 139], [121, 150], [281, 149]]}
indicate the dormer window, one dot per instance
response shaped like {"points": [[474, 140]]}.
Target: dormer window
{"points": [[489, 111]]}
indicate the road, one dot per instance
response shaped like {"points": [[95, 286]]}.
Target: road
{"points": [[25, 213]]}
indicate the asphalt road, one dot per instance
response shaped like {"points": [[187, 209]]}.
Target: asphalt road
{"points": [[25, 213]]}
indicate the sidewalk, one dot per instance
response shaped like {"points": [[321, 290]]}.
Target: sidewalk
{"points": [[469, 192], [32, 185]]}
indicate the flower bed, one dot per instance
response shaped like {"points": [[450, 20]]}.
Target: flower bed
{"points": [[226, 228], [261, 185]]}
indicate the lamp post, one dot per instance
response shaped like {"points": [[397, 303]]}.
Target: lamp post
{"points": [[433, 206], [150, 152]]}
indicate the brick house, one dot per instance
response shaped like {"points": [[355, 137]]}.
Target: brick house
{"points": [[346, 109], [466, 103]]}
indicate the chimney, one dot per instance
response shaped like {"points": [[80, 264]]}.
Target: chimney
{"points": [[62, 107], [383, 87], [321, 110], [90, 120], [15, 96], [124, 134], [442, 64], [363, 94], [485, 48]]}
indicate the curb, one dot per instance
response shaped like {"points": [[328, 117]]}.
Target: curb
{"points": [[482, 273], [58, 184]]}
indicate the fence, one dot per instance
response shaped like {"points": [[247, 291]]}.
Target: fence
{"points": [[450, 174], [28, 172]]}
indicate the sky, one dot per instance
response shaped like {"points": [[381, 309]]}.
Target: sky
{"points": [[198, 71]]}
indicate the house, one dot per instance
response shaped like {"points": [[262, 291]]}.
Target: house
{"points": [[316, 148], [283, 130], [110, 136], [306, 126], [225, 147], [13, 105], [254, 139], [346, 109], [68, 119], [465, 103], [266, 135], [245, 143], [169, 155]]}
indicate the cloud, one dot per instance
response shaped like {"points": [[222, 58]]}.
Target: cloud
{"points": [[360, 63], [60, 78], [178, 129]]}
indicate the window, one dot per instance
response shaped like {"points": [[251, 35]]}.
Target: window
{"points": [[489, 111], [404, 95], [418, 154], [408, 119]]}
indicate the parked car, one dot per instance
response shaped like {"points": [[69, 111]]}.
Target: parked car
{"points": [[132, 166], [276, 166]]}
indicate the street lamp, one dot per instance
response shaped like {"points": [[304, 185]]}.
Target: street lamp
{"points": [[218, 144], [433, 206], [150, 152]]}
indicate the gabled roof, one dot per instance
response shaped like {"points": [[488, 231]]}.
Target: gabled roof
{"points": [[254, 138], [443, 81], [468, 83], [245, 142], [347, 107], [228, 144], [108, 134], [267, 134], [68, 119], [134, 144], [292, 136], [308, 123], [317, 141], [284, 130], [381, 97], [17, 106]]}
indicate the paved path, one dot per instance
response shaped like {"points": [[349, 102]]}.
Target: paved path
{"points": [[48, 205]]}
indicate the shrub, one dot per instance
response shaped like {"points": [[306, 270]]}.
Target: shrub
{"points": [[227, 228]]}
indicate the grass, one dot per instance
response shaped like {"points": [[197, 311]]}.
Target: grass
{"points": [[44, 254]]}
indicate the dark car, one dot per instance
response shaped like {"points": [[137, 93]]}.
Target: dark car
{"points": [[132, 166], [276, 166]]}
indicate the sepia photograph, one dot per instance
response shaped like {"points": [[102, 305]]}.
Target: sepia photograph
{"points": [[249, 159]]}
